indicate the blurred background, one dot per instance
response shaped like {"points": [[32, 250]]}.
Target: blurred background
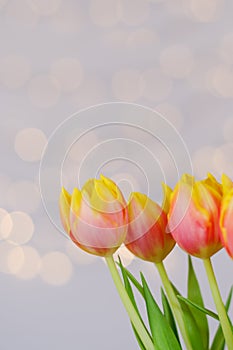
{"points": [[57, 58]]}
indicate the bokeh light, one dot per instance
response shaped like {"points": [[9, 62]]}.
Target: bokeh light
{"points": [[5, 249], [68, 72], [223, 81], [44, 91], [56, 268], [2, 3], [5, 224], [15, 71], [206, 10], [28, 264], [142, 37], [29, 144], [177, 61], [18, 227], [69, 18]]}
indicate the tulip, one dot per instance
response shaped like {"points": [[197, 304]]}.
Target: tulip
{"points": [[147, 237], [226, 217], [194, 215], [95, 217], [96, 220]]}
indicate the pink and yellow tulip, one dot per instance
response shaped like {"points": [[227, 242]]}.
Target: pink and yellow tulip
{"points": [[147, 237], [226, 218], [95, 217], [194, 215]]}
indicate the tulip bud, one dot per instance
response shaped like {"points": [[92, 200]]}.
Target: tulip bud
{"points": [[147, 237], [226, 217], [95, 217], [194, 215]]}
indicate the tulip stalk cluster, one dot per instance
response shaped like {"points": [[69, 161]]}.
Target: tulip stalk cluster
{"points": [[195, 215]]}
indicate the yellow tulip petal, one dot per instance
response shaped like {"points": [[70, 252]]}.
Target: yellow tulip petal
{"points": [[227, 184], [167, 191], [76, 200]]}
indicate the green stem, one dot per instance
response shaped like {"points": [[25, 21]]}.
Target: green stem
{"points": [[224, 320], [133, 315], [174, 303]]}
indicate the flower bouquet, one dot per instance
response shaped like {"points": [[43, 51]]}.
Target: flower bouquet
{"points": [[197, 215]]}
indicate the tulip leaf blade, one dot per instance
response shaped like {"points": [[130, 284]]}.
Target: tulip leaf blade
{"points": [[199, 308], [129, 291], [195, 296], [219, 340], [163, 336], [190, 324], [168, 314], [133, 280]]}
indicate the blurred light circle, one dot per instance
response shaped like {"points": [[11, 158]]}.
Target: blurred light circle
{"points": [[134, 12], [15, 71], [15, 259], [29, 264], [21, 12], [29, 144], [126, 256], [206, 10], [203, 161], [23, 195], [176, 61], [222, 79], [157, 85], [77, 255], [56, 268], [18, 227], [45, 7], [171, 113], [6, 224], [104, 12], [69, 73], [127, 85], [223, 159], [44, 91], [5, 250], [228, 129]]}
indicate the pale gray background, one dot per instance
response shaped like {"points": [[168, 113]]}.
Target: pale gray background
{"points": [[57, 57]]}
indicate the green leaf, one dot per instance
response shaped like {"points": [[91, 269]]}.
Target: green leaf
{"points": [[190, 324], [219, 340], [131, 296], [140, 343], [194, 295], [133, 280], [168, 314], [199, 308], [163, 336]]}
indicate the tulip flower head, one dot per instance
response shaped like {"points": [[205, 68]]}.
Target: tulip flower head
{"points": [[194, 215], [95, 217], [147, 237], [226, 218]]}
